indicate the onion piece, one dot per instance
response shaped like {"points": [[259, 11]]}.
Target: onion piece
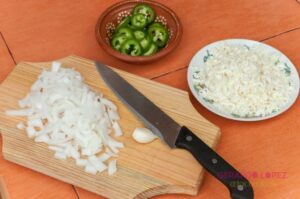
{"points": [[55, 66], [56, 149], [117, 128], [104, 157], [59, 155], [96, 163], [81, 162], [90, 169], [31, 132], [21, 126], [108, 104], [112, 167], [20, 112], [42, 138]]}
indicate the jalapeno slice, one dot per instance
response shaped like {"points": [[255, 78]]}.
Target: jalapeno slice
{"points": [[139, 35], [117, 41], [146, 11], [139, 21], [131, 47], [126, 32], [159, 34], [145, 43], [123, 23], [152, 50]]}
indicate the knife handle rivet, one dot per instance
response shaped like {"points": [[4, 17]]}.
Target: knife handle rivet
{"points": [[189, 138], [214, 161], [240, 187]]}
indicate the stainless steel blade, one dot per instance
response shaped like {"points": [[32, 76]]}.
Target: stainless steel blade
{"points": [[152, 117]]}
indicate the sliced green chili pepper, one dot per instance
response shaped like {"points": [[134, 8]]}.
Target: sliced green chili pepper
{"points": [[153, 49], [124, 23], [131, 47], [145, 43], [139, 35], [146, 11], [139, 21], [117, 41], [159, 34], [126, 32]]}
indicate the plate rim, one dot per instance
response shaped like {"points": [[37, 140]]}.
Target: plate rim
{"points": [[214, 110]]}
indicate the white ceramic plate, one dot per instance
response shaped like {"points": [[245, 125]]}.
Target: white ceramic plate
{"points": [[198, 60]]}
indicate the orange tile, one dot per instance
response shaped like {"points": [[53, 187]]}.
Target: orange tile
{"points": [[23, 183], [6, 60], [83, 194]]}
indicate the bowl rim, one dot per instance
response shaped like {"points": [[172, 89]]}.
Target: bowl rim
{"points": [[170, 47]]}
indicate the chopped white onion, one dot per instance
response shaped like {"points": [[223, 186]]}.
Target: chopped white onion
{"points": [[73, 120], [56, 148], [59, 155], [96, 163], [21, 112], [109, 104], [55, 66], [116, 127], [21, 126], [113, 115], [81, 162], [42, 138], [90, 169], [31, 132], [35, 123], [112, 167], [104, 157]]}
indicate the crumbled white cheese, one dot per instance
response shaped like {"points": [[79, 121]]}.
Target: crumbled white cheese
{"points": [[243, 81]]}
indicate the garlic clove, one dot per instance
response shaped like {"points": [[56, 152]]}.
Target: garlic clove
{"points": [[143, 135]]}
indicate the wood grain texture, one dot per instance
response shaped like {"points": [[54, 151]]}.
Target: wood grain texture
{"points": [[144, 170], [38, 30]]}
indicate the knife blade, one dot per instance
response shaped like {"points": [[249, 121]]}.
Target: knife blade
{"points": [[175, 135]]}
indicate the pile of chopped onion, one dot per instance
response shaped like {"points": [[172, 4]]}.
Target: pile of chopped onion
{"points": [[73, 120]]}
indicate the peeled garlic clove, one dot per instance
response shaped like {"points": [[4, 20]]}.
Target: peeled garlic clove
{"points": [[143, 135]]}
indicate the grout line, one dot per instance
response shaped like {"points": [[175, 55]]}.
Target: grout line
{"points": [[262, 40], [279, 34], [12, 56], [178, 69], [76, 192]]}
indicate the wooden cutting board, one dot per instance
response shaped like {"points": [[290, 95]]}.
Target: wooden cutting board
{"points": [[143, 170]]}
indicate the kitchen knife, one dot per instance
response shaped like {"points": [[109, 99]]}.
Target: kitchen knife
{"points": [[176, 136]]}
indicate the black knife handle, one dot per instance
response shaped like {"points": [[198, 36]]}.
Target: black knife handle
{"points": [[239, 187]]}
